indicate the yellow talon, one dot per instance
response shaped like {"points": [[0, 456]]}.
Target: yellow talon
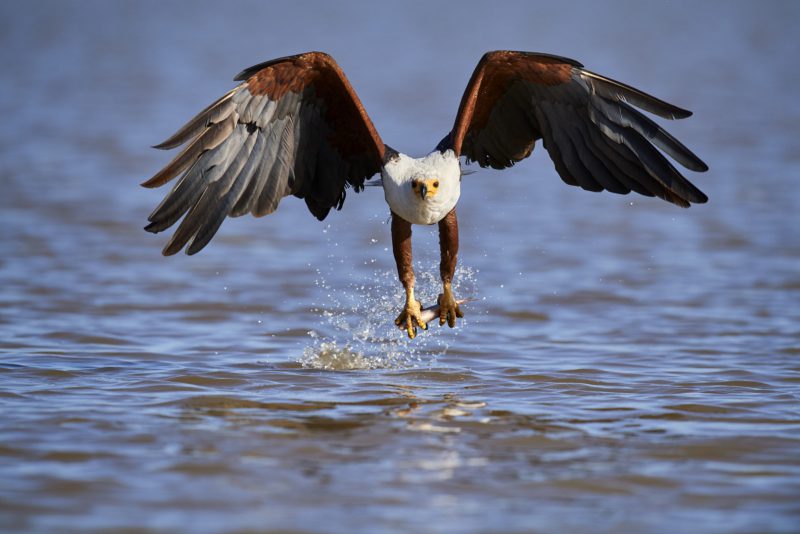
{"points": [[448, 307], [411, 317]]}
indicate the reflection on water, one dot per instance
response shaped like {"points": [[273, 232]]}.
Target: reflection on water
{"points": [[626, 365]]}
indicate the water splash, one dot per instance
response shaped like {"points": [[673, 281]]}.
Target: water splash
{"points": [[359, 330], [327, 355]]}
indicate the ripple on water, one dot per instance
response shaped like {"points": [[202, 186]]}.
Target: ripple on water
{"points": [[629, 367]]}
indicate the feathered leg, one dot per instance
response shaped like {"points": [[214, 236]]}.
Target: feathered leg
{"points": [[448, 245], [401, 244]]}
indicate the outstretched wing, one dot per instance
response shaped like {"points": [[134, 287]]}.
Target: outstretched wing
{"points": [[294, 126], [594, 135]]}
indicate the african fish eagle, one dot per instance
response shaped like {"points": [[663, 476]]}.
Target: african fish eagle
{"points": [[294, 126]]}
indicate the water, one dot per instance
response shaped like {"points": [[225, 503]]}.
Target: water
{"points": [[626, 365]]}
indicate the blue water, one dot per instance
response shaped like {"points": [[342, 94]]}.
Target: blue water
{"points": [[625, 366]]}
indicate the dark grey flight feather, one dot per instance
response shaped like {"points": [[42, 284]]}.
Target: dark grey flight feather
{"points": [[625, 116], [614, 90], [216, 112], [651, 159], [553, 114], [214, 219], [250, 172], [210, 139]]}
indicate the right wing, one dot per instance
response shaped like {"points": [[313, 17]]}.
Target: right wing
{"points": [[594, 135]]}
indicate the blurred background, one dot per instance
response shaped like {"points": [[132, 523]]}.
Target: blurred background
{"points": [[626, 366]]}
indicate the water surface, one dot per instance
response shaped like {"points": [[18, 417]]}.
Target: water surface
{"points": [[626, 365]]}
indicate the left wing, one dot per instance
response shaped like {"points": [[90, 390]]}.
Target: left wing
{"points": [[594, 135], [294, 126]]}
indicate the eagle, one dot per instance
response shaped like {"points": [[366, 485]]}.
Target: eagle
{"points": [[295, 126]]}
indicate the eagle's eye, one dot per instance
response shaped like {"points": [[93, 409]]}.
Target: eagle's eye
{"points": [[414, 184], [436, 183]]}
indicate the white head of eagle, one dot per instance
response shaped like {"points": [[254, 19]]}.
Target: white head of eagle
{"points": [[295, 126], [422, 190]]}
